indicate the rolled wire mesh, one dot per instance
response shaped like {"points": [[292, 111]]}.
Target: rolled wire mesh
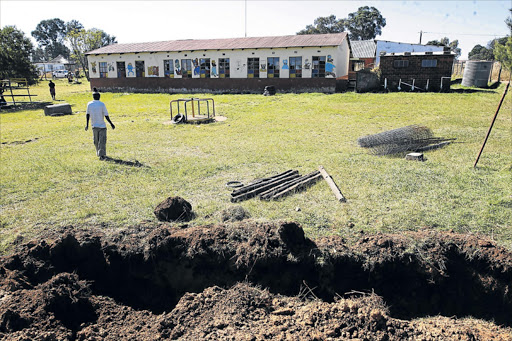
{"points": [[398, 140]]}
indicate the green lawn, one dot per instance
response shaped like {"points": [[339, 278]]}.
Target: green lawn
{"points": [[57, 180]]}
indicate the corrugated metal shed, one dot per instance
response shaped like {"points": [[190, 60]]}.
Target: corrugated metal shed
{"points": [[227, 44], [363, 48]]}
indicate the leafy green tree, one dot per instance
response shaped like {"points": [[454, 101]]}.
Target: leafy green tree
{"points": [[40, 55], [15, 51], [73, 25], [453, 45], [503, 53], [83, 41], [106, 39], [480, 52], [323, 25], [50, 34], [365, 24]]}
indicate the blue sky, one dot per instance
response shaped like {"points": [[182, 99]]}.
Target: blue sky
{"points": [[471, 22]]}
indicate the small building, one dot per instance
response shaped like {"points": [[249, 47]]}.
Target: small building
{"points": [[429, 71], [57, 63], [395, 47], [298, 63], [363, 54]]}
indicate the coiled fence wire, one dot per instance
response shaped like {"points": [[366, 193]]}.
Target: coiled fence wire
{"points": [[410, 138]]}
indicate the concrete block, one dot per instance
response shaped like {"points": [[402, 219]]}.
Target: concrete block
{"points": [[415, 156], [58, 109]]}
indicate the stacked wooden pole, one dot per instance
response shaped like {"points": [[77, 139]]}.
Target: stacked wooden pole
{"points": [[281, 185]]}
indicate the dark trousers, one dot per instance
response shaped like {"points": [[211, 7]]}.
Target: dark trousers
{"points": [[100, 141]]}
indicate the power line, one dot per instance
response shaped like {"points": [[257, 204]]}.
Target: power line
{"points": [[466, 34]]}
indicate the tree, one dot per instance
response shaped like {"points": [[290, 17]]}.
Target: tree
{"points": [[50, 36], [106, 39], [503, 53], [454, 45], [40, 55], [73, 25], [325, 25], [365, 24], [15, 51], [480, 52], [83, 41]]}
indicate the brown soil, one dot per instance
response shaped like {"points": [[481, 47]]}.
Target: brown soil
{"points": [[254, 281]]}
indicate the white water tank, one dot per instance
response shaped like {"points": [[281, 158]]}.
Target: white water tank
{"points": [[476, 73]]}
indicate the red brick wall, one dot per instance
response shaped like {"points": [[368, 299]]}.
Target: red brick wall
{"points": [[369, 63], [216, 85], [416, 71]]}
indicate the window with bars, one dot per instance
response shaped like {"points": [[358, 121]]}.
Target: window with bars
{"points": [[318, 70], [253, 67], [186, 68], [429, 63], [224, 67], [103, 70], [204, 64], [168, 68], [400, 63], [273, 67], [295, 67]]}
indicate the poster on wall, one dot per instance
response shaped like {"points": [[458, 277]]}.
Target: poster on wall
{"points": [[329, 68], [153, 71], [177, 68], [214, 69], [130, 69]]}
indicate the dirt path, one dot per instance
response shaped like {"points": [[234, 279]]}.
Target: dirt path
{"points": [[254, 281]]}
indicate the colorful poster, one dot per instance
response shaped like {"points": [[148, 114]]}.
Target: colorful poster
{"points": [[130, 69], [196, 66], [153, 71], [177, 68], [329, 68], [214, 68]]}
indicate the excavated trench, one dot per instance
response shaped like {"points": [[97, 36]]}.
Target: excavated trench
{"points": [[152, 268]]}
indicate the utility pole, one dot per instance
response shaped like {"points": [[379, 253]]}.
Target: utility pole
{"points": [[421, 34], [246, 18]]}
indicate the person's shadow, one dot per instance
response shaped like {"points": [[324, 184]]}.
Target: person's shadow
{"points": [[123, 162]]}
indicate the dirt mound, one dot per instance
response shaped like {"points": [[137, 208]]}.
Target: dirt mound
{"points": [[248, 313], [160, 282], [174, 209]]}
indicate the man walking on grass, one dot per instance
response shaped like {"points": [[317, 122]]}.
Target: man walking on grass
{"points": [[97, 110]]}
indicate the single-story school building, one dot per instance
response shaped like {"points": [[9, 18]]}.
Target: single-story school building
{"points": [[298, 63]]}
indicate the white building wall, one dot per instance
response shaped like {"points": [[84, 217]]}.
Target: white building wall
{"points": [[238, 60], [393, 47], [48, 67], [342, 59]]}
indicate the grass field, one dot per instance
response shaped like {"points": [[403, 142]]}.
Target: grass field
{"points": [[56, 179]]}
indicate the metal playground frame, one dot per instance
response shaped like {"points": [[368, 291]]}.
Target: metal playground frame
{"points": [[196, 117]]}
